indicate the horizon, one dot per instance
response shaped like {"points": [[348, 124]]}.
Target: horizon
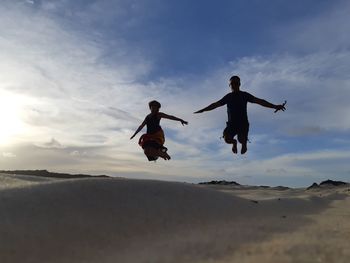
{"points": [[77, 78], [47, 173]]}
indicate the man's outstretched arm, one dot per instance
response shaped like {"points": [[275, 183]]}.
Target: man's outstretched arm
{"points": [[210, 107], [270, 105]]}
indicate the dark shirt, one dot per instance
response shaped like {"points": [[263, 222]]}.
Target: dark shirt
{"points": [[152, 122], [237, 106]]}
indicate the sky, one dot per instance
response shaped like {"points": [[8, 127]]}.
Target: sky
{"points": [[77, 76]]}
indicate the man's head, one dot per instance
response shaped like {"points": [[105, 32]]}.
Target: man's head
{"points": [[154, 106], [235, 83]]}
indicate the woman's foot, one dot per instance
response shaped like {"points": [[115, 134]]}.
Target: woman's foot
{"points": [[164, 155]]}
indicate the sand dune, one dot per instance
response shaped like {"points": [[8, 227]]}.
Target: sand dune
{"points": [[121, 220]]}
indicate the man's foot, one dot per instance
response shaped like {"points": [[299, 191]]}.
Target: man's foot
{"points": [[244, 148], [234, 146]]}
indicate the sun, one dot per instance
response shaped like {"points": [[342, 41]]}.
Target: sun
{"points": [[10, 121]]}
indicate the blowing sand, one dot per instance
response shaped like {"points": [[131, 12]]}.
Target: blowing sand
{"points": [[121, 220]]}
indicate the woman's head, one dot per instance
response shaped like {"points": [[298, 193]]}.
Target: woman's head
{"points": [[154, 106]]}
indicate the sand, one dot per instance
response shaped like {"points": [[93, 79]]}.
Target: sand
{"points": [[123, 220]]}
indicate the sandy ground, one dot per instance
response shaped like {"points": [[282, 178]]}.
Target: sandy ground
{"points": [[120, 220]]}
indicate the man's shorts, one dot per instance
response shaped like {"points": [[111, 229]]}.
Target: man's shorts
{"points": [[232, 130]]}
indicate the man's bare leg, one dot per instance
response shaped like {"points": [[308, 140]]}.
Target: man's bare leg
{"points": [[244, 147], [234, 146], [233, 142]]}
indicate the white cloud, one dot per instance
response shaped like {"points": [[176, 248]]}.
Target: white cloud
{"points": [[318, 164], [316, 87], [62, 75], [8, 155]]}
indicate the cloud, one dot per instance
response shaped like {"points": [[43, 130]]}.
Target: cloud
{"points": [[327, 31], [65, 82], [52, 144], [315, 86], [309, 166], [8, 155], [304, 130]]}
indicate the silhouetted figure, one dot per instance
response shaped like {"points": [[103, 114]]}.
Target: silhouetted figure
{"points": [[237, 123], [152, 142]]}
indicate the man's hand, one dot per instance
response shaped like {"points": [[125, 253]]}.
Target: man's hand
{"points": [[184, 122], [200, 111], [281, 107]]}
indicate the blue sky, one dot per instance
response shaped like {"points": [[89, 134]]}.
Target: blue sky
{"points": [[77, 77]]}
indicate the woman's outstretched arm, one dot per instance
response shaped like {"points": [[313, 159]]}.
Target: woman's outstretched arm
{"points": [[139, 129], [170, 117]]}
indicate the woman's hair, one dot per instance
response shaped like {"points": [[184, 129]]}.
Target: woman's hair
{"points": [[154, 103]]}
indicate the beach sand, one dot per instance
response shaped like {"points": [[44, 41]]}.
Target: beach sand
{"points": [[122, 220]]}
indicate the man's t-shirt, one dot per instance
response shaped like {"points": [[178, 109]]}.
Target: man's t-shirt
{"points": [[237, 106]]}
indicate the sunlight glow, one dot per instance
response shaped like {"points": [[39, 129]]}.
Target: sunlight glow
{"points": [[10, 120]]}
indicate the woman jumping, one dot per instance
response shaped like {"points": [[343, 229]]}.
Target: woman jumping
{"points": [[153, 140]]}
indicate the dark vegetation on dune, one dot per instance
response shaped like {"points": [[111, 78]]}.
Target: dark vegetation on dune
{"points": [[232, 183], [327, 183], [45, 173], [222, 182]]}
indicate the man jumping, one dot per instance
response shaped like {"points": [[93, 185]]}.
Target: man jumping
{"points": [[237, 123]]}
